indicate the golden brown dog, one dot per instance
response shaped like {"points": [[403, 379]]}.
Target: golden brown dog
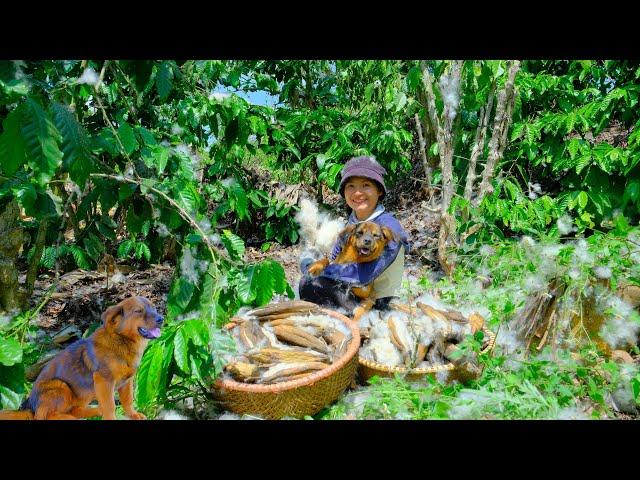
{"points": [[365, 242], [93, 368]]}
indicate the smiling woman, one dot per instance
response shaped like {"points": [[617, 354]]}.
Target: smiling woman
{"points": [[362, 186]]}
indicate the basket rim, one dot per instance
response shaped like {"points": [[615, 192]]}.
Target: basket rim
{"points": [[423, 371], [352, 350]]}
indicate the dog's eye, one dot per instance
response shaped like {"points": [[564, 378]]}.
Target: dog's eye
{"points": [[139, 310]]}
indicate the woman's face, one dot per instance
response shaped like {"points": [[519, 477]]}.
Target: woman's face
{"points": [[361, 194]]}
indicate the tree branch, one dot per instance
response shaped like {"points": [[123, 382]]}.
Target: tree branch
{"points": [[500, 124]]}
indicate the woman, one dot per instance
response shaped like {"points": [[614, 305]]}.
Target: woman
{"points": [[362, 186]]}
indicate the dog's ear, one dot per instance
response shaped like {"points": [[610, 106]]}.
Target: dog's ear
{"points": [[347, 231], [110, 315], [389, 234]]}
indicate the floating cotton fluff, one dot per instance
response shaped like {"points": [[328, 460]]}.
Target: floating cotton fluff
{"points": [[89, 77], [507, 341], [486, 251], [621, 329], [571, 413], [602, 271], [581, 254], [565, 225]]}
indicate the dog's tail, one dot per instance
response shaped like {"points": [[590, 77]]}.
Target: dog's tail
{"points": [[16, 415]]}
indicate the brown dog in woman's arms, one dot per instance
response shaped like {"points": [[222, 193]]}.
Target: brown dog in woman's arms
{"points": [[94, 368], [364, 242]]}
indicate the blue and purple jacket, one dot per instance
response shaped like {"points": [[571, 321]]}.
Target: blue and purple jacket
{"points": [[364, 273]]}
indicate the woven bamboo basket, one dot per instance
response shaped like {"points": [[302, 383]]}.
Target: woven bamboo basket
{"points": [[296, 398], [368, 368]]}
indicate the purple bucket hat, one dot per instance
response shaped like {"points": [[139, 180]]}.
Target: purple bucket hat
{"points": [[364, 167]]}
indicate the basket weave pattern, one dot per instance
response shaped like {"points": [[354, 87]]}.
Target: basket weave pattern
{"points": [[296, 398], [368, 368]]}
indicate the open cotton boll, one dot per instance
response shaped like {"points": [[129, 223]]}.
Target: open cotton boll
{"points": [[620, 331], [369, 319], [381, 350], [432, 301]]}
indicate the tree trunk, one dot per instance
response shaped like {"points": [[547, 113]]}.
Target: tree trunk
{"points": [[450, 89], [501, 125], [37, 255], [423, 152], [478, 146]]}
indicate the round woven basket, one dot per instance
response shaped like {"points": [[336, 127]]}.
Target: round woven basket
{"points": [[368, 368], [296, 398]]}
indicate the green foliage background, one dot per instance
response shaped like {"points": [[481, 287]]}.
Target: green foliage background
{"points": [[162, 151]]}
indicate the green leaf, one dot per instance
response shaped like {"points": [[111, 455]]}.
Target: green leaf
{"points": [[42, 139], [583, 199], [183, 292], [400, 101], [10, 351], [196, 330], [277, 273], [128, 138], [142, 73], [12, 143], [134, 222], [243, 286], [80, 257], [93, 247], [233, 244], [26, 194], [631, 192], [181, 350], [146, 136], [124, 249], [263, 285], [635, 387], [48, 258], [148, 378], [76, 146], [11, 386], [163, 80], [142, 250], [187, 196]]}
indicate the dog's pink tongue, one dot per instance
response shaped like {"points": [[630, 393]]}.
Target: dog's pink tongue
{"points": [[155, 333]]}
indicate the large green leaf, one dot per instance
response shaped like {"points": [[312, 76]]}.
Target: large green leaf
{"points": [[278, 275], [76, 145], [233, 244], [128, 138], [11, 386], [182, 292], [262, 284], [149, 374], [181, 349], [42, 138], [187, 196], [10, 351], [244, 285], [163, 80], [12, 143]]}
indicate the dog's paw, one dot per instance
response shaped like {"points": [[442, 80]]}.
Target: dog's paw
{"points": [[316, 268], [133, 415]]}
